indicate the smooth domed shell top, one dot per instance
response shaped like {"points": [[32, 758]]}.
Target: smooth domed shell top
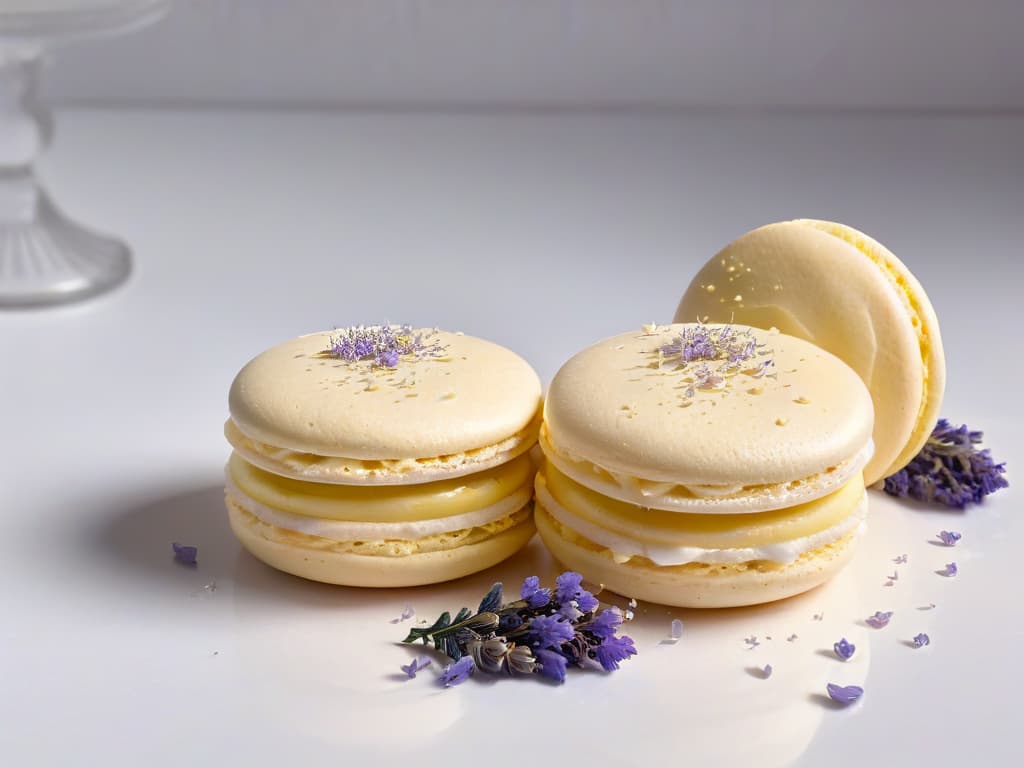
{"points": [[625, 408], [470, 394], [842, 290]]}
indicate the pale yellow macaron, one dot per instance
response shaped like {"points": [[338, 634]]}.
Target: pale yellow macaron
{"points": [[704, 465], [836, 287], [383, 455]]}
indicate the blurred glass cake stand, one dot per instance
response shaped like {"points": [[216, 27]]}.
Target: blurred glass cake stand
{"points": [[46, 257]]}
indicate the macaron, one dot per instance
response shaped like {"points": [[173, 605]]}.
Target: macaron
{"points": [[383, 456], [840, 289], [704, 465]]}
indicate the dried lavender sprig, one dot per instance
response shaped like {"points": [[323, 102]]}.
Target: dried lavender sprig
{"points": [[950, 469], [542, 633]]}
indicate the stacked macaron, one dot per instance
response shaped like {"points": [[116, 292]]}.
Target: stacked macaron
{"points": [[704, 466], [382, 456], [843, 291]]}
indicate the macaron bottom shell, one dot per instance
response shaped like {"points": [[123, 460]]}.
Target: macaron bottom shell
{"points": [[694, 585], [314, 558]]}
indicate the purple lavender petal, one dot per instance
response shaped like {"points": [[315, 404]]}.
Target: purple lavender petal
{"points": [[767, 671], [416, 665], [407, 613], [457, 672], [879, 619], [532, 592], [184, 554], [844, 694], [950, 570], [605, 623], [550, 631], [613, 650], [844, 649], [586, 602], [921, 640], [567, 586], [949, 538], [550, 664]]}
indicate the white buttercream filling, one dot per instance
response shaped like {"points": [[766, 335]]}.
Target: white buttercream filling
{"points": [[623, 548], [700, 498], [346, 530]]}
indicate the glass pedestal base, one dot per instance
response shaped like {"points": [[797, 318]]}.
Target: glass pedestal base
{"points": [[46, 258]]}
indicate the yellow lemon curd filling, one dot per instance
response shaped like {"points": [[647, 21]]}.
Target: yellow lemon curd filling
{"points": [[675, 538], [390, 521]]}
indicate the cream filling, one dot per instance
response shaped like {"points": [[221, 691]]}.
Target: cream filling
{"points": [[697, 498], [345, 530], [343, 471], [624, 548]]}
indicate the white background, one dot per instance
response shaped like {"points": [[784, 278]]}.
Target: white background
{"points": [[543, 230], [903, 54]]}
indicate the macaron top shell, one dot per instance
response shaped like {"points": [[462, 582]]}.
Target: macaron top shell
{"points": [[467, 394], [789, 411], [836, 287]]}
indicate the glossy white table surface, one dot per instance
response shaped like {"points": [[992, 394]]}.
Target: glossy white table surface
{"points": [[544, 233]]}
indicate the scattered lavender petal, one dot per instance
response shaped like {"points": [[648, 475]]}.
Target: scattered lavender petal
{"points": [[895, 576], [901, 560], [407, 613], [926, 607], [921, 640], [457, 672], [766, 672], [844, 649], [791, 638], [889, 583], [751, 642], [949, 538], [184, 554], [844, 694], [416, 665], [879, 619], [949, 571], [818, 616], [676, 630]]}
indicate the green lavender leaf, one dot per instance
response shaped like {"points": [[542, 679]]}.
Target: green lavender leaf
{"points": [[492, 600]]}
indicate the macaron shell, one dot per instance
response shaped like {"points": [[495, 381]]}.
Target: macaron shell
{"points": [[475, 394], [696, 585], [358, 570], [615, 405], [844, 292]]}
